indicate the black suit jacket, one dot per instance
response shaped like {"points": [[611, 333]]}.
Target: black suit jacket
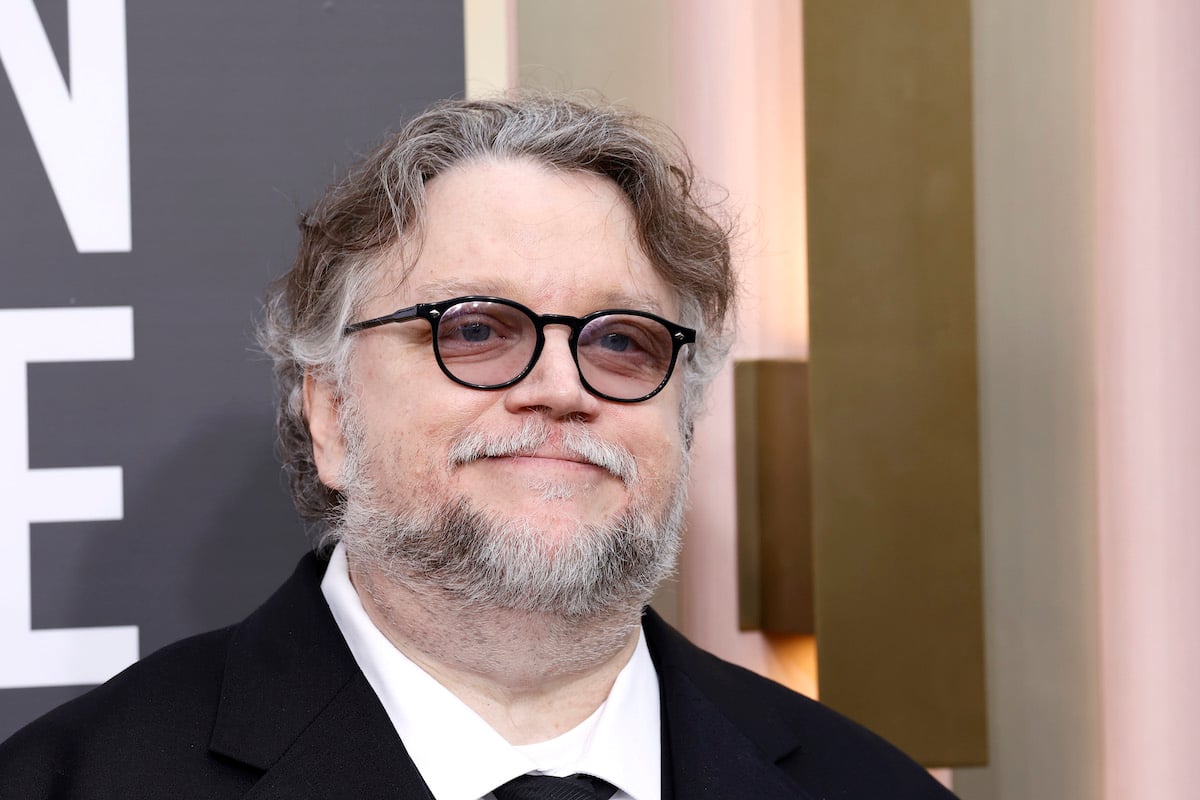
{"points": [[276, 707]]}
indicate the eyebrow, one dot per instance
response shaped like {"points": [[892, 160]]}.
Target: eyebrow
{"points": [[500, 287]]}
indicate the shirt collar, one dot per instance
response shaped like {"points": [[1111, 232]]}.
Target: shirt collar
{"points": [[622, 747]]}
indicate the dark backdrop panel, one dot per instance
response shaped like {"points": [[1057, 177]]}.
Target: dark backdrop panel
{"points": [[239, 113]]}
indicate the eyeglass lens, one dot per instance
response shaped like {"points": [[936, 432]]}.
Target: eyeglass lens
{"points": [[489, 344]]}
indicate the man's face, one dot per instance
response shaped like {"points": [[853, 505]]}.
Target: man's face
{"points": [[559, 243]]}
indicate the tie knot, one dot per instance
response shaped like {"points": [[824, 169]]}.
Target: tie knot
{"points": [[547, 787]]}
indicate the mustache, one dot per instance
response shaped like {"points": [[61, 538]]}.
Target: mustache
{"points": [[572, 436]]}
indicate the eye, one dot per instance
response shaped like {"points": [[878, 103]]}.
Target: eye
{"points": [[472, 328], [473, 331], [478, 327], [626, 335], [617, 342], [620, 341]]}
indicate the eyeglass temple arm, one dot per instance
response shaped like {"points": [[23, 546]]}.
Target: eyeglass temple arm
{"points": [[403, 315]]}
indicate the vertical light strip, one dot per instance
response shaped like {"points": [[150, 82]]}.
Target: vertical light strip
{"points": [[1034, 227], [737, 76], [490, 46], [1148, 363]]}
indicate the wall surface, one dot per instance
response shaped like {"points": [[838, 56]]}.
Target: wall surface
{"points": [[1148, 356], [577, 44], [893, 386], [1034, 195]]}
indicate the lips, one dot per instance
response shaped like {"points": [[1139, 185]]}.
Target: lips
{"points": [[554, 456], [559, 461]]}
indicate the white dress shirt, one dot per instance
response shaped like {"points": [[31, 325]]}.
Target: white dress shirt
{"points": [[461, 757]]}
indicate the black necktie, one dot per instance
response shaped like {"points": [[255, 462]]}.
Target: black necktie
{"points": [[547, 787]]}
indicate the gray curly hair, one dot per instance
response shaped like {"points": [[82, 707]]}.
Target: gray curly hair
{"points": [[381, 203]]}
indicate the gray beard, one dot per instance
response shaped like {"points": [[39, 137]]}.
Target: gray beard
{"points": [[484, 563], [481, 562]]}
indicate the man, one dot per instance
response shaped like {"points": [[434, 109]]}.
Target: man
{"points": [[490, 351]]}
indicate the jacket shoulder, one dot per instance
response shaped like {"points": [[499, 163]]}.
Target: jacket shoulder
{"points": [[155, 716], [152, 731]]}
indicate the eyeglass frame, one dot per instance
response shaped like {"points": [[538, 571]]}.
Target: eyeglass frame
{"points": [[432, 313]]}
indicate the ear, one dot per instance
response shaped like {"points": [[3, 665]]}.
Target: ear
{"points": [[321, 410]]}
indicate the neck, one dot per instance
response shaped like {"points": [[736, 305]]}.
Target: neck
{"points": [[531, 676]]}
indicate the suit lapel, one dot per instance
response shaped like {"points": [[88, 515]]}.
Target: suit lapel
{"points": [[712, 747], [295, 705], [351, 750]]}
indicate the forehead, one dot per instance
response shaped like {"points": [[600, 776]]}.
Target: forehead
{"points": [[517, 229]]}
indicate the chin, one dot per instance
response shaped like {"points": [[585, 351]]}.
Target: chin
{"points": [[552, 518], [563, 501]]}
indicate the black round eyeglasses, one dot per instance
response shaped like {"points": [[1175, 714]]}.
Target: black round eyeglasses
{"points": [[491, 343]]}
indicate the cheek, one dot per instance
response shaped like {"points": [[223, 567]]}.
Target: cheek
{"points": [[409, 435], [658, 446]]}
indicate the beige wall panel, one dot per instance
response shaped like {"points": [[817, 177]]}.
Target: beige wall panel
{"points": [[618, 47], [1033, 133]]}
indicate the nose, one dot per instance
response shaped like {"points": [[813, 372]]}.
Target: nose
{"points": [[553, 385]]}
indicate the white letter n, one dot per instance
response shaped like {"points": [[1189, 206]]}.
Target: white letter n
{"points": [[81, 133]]}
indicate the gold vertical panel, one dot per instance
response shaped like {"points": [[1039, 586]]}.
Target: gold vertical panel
{"points": [[775, 577], [893, 388]]}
